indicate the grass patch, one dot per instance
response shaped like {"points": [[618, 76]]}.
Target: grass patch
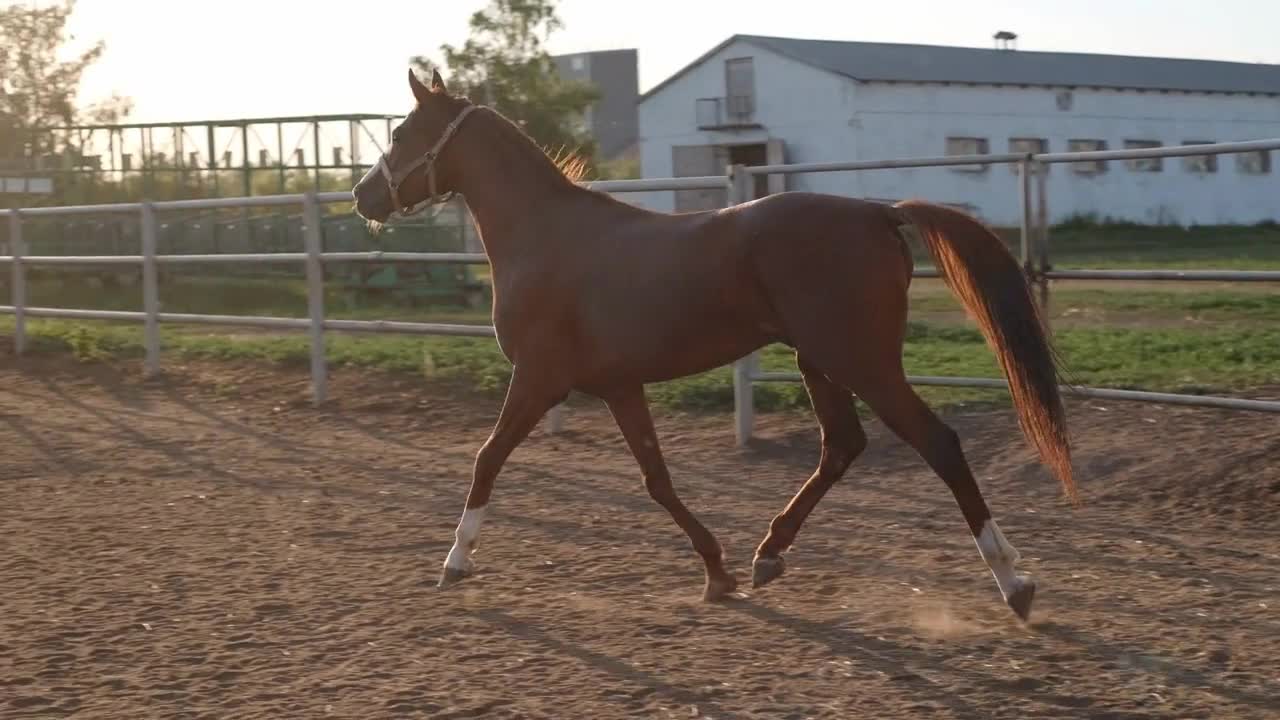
{"points": [[279, 296], [1120, 245], [1199, 303], [1216, 359]]}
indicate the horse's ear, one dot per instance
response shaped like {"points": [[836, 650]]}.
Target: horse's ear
{"points": [[420, 91], [437, 82]]}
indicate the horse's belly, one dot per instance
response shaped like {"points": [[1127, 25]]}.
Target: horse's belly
{"points": [[682, 350]]}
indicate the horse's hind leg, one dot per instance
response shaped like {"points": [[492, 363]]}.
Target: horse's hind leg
{"points": [[842, 441], [888, 394], [853, 333], [875, 308]]}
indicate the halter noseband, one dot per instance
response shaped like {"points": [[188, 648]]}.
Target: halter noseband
{"points": [[428, 159]]}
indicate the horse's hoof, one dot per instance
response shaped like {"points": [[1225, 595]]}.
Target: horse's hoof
{"points": [[452, 576], [1020, 600], [766, 569], [719, 588]]}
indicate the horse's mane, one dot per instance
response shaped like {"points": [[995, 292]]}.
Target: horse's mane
{"points": [[570, 164]]}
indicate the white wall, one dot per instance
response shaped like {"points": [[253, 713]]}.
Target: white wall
{"points": [[809, 109], [904, 121], [825, 117]]}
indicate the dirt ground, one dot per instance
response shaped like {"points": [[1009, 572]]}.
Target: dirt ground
{"points": [[209, 545]]}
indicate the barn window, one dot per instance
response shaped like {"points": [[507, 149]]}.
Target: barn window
{"points": [[1200, 163], [967, 146], [740, 88], [1149, 164], [1027, 145], [1254, 163], [1088, 167]]}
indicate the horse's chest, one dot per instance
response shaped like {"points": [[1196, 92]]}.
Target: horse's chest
{"points": [[521, 314]]}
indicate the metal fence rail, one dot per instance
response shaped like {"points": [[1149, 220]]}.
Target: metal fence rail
{"points": [[1033, 247], [1207, 275], [1100, 393], [283, 258], [313, 259]]}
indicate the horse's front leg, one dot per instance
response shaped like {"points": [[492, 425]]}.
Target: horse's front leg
{"points": [[631, 411], [530, 395]]}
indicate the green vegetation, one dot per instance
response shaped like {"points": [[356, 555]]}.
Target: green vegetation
{"points": [[1217, 360], [1126, 245], [1184, 337], [1195, 355], [40, 77], [1084, 243], [1175, 304]]}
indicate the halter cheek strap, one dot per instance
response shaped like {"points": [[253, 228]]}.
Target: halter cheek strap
{"points": [[429, 160]]}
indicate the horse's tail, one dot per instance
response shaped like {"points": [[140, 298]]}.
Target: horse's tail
{"points": [[990, 284]]}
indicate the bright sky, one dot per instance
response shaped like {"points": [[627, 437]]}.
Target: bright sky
{"points": [[216, 59]]}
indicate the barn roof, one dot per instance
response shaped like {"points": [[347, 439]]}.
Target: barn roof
{"points": [[900, 62]]}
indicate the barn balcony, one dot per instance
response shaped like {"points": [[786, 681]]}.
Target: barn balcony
{"points": [[733, 112]]}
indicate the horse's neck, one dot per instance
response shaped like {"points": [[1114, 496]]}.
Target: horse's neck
{"points": [[510, 193]]}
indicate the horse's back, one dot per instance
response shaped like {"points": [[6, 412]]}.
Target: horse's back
{"points": [[804, 233]]}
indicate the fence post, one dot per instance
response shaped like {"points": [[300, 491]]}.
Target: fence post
{"points": [[744, 411], [744, 370], [315, 294], [19, 283], [1024, 177], [1042, 237], [150, 291]]}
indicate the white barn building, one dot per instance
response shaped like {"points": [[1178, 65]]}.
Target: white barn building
{"points": [[756, 100]]}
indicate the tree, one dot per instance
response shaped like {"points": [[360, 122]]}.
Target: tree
{"points": [[38, 90], [504, 64]]}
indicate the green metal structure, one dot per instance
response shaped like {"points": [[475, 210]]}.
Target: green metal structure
{"points": [[128, 162], [202, 155]]}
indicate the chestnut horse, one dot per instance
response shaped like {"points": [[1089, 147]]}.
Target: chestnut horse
{"points": [[603, 297]]}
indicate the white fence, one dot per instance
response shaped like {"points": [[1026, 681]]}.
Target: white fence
{"points": [[1033, 244]]}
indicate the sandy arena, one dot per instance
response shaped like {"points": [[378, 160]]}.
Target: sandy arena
{"points": [[208, 545]]}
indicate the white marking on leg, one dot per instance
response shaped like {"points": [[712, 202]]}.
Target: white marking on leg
{"points": [[466, 537], [1000, 557]]}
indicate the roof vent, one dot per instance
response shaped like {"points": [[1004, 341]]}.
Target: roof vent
{"points": [[1006, 40]]}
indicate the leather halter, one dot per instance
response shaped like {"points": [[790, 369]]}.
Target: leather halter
{"points": [[429, 160]]}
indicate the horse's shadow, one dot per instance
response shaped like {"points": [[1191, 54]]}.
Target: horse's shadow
{"points": [[620, 669]]}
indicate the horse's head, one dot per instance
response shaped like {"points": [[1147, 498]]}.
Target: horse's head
{"points": [[410, 173]]}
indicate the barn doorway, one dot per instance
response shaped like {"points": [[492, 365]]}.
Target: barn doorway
{"points": [[696, 160], [749, 155]]}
